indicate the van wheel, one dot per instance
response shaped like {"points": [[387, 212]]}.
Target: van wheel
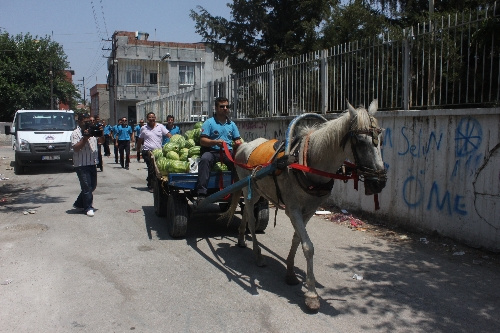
{"points": [[18, 168]]}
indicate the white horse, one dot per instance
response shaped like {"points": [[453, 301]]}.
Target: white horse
{"points": [[353, 136]]}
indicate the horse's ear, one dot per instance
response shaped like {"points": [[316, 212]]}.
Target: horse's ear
{"points": [[373, 106], [350, 107]]}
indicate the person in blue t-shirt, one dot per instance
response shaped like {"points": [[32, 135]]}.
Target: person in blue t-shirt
{"points": [[123, 135], [114, 129], [172, 129], [137, 131], [107, 132], [214, 132]]}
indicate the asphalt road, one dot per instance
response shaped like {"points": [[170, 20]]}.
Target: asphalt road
{"points": [[61, 271]]}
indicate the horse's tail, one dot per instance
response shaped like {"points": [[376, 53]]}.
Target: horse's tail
{"points": [[228, 214]]}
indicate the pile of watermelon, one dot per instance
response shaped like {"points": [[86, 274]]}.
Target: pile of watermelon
{"points": [[175, 155]]}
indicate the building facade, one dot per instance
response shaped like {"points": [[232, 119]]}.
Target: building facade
{"points": [[99, 101], [140, 69]]}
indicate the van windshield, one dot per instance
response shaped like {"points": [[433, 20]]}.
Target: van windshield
{"points": [[45, 121]]}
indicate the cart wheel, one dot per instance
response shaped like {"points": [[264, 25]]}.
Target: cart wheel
{"points": [[261, 213], [160, 199], [177, 215]]}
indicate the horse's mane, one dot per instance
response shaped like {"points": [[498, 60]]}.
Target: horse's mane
{"points": [[330, 134]]}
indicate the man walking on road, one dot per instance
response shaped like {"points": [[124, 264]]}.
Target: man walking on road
{"points": [[85, 157], [115, 139], [107, 133], [150, 139], [124, 135], [137, 130]]}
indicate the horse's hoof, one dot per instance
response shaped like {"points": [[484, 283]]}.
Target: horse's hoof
{"points": [[292, 280], [312, 303], [242, 244]]}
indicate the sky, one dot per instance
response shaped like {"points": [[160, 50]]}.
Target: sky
{"points": [[80, 26]]}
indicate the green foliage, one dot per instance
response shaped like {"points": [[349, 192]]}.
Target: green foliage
{"points": [[262, 31], [352, 22], [25, 82]]}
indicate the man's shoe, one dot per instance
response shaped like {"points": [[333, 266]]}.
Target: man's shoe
{"points": [[90, 212], [126, 167]]}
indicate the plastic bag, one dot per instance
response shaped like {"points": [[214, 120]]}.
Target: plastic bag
{"points": [[193, 164]]}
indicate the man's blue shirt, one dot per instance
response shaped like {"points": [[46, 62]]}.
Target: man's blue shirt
{"points": [[124, 132], [107, 129], [226, 131], [137, 130], [175, 130]]}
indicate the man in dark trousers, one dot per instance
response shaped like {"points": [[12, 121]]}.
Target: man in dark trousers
{"points": [[124, 135], [214, 132]]}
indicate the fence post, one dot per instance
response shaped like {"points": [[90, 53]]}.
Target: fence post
{"points": [[406, 72], [324, 81], [271, 89]]}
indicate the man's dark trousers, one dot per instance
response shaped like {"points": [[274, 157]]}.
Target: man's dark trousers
{"points": [[124, 145]]}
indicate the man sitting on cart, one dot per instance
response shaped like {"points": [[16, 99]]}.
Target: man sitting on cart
{"points": [[214, 132]]}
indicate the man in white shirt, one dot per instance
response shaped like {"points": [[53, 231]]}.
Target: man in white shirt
{"points": [[85, 158], [150, 139]]}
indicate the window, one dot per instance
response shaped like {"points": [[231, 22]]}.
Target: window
{"points": [[153, 78], [134, 75], [186, 75]]}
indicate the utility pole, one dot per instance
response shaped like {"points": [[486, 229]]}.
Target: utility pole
{"points": [[51, 87], [84, 97]]}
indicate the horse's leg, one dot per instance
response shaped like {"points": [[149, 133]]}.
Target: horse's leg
{"points": [[291, 278], [299, 222], [250, 221], [241, 231]]}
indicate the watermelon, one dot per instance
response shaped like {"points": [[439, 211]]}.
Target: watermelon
{"points": [[189, 143], [172, 155], [194, 151], [157, 153], [178, 139], [162, 165], [198, 125], [170, 146], [219, 166], [196, 135], [189, 134], [179, 166]]}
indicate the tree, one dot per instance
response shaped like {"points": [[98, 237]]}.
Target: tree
{"points": [[352, 22], [25, 80], [262, 31]]}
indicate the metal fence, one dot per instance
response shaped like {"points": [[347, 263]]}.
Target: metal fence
{"points": [[452, 62]]}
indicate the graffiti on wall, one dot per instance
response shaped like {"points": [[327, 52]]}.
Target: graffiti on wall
{"points": [[438, 194]]}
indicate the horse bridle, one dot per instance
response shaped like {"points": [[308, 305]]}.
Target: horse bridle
{"points": [[352, 136]]}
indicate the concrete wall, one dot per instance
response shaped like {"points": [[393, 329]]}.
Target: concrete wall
{"points": [[5, 139], [443, 172]]}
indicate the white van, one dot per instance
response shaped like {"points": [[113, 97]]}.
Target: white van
{"points": [[41, 137]]}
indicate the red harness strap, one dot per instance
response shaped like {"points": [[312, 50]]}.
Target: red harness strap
{"points": [[307, 169]]}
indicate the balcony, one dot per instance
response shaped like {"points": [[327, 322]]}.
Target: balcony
{"points": [[139, 93]]}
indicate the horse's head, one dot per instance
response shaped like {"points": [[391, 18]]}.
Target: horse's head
{"points": [[364, 136]]}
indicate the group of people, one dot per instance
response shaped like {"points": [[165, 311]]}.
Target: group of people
{"points": [[152, 135]]}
